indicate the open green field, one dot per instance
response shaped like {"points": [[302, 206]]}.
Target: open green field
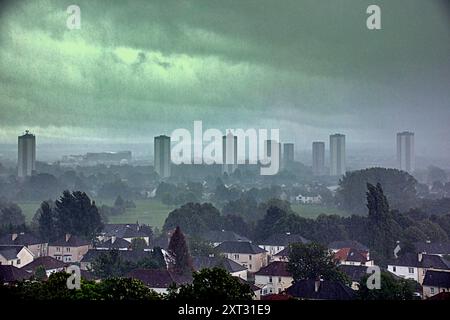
{"points": [[151, 212], [313, 211]]}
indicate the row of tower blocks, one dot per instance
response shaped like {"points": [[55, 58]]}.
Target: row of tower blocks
{"points": [[26, 164], [337, 154]]}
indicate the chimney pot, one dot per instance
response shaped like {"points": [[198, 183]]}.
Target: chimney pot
{"points": [[68, 237], [317, 285], [113, 239], [14, 236]]}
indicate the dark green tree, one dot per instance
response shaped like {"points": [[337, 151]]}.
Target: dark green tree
{"points": [[181, 259], [390, 288], [46, 222], [214, 284]]}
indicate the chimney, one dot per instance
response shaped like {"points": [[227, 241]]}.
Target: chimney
{"points": [[288, 233], [68, 235], [317, 284], [420, 257], [14, 236], [113, 239]]}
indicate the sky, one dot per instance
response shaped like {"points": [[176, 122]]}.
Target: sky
{"points": [[311, 68]]}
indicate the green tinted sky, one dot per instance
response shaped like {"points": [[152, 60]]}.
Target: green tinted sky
{"points": [[139, 68]]}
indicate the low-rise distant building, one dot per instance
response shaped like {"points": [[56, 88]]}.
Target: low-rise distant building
{"points": [[51, 265], [354, 273], [155, 279], [320, 290], [216, 237], [337, 245], [36, 245], [10, 274], [435, 282], [353, 257], [279, 241], [126, 231], [414, 266], [436, 248], [283, 255], [113, 243], [69, 248], [17, 256], [308, 199], [274, 278], [234, 268], [245, 253]]}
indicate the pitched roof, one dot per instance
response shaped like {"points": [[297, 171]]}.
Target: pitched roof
{"points": [[222, 235], [328, 290], [153, 278], [276, 269], [350, 254], [47, 262], [203, 262], [251, 285], [239, 247], [336, 245], [283, 253], [10, 252], [428, 261], [73, 241], [355, 273], [23, 239], [435, 278], [284, 239], [433, 247], [124, 230], [10, 273], [118, 243]]}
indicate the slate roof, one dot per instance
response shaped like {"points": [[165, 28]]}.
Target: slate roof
{"points": [[123, 230], [283, 239], [336, 245], [283, 253], [10, 252], [203, 262], [328, 290], [152, 278], [23, 239], [428, 261], [435, 278], [251, 285], [74, 241], [433, 247], [355, 273], [276, 269], [222, 235], [10, 273], [48, 263], [118, 243], [243, 247]]}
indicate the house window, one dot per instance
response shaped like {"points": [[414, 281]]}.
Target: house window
{"points": [[67, 249], [411, 270], [18, 261], [279, 279], [270, 279], [236, 257], [249, 257], [432, 290], [250, 266], [58, 249]]}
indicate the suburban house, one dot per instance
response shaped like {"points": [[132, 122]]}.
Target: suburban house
{"points": [[414, 266], [435, 282], [10, 274], [256, 290], [157, 280], [355, 273], [216, 237], [235, 269], [245, 253], [337, 245], [320, 290], [36, 245], [17, 256], [283, 255], [113, 243], [353, 257], [69, 248], [436, 248], [279, 241], [274, 278], [127, 232], [51, 265]]}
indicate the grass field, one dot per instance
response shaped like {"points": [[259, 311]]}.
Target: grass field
{"points": [[150, 212], [154, 213], [313, 211]]}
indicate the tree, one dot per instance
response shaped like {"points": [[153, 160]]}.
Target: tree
{"points": [[109, 265], [390, 288], [11, 215], [382, 228], [182, 261], [214, 284], [119, 202], [313, 261], [46, 222], [198, 247], [265, 227], [126, 289], [138, 244], [77, 215], [40, 274]]}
